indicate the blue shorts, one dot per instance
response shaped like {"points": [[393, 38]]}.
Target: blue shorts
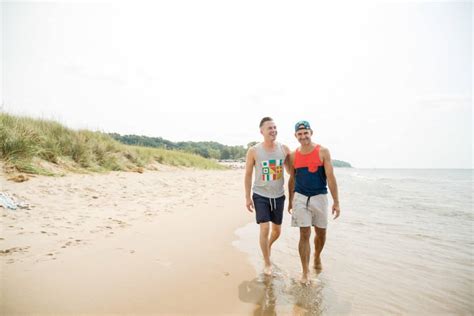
{"points": [[268, 209]]}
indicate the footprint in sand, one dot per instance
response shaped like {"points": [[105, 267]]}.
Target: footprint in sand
{"points": [[72, 242], [49, 234], [67, 244], [121, 223], [10, 251], [52, 255]]}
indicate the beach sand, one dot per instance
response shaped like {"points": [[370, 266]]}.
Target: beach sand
{"points": [[158, 242]]}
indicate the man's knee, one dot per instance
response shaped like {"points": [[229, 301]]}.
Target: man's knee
{"points": [[305, 233], [276, 230], [320, 234], [264, 228]]}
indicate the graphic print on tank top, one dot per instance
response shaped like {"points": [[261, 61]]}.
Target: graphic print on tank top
{"points": [[272, 169]]}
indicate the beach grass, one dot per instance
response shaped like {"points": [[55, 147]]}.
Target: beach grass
{"points": [[47, 147]]}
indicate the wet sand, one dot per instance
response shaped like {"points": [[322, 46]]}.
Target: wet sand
{"points": [[158, 242]]}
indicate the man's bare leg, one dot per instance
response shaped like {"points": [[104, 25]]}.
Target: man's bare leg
{"points": [[264, 245], [319, 241], [276, 231], [304, 250]]}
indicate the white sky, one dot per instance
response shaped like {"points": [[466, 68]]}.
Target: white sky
{"points": [[383, 85]]}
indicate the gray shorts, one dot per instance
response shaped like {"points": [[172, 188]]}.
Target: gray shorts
{"points": [[310, 213]]}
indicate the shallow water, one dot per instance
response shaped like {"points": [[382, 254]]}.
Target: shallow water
{"points": [[403, 245]]}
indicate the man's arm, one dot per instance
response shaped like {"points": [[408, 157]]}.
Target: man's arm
{"points": [[249, 164], [291, 181], [287, 158], [332, 184]]}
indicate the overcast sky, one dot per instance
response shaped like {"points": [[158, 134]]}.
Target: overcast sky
{"points": [[383, 84]]}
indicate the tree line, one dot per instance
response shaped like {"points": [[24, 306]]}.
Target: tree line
{"points": [[213, 150]]}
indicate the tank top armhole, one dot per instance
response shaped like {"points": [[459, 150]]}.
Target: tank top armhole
{"points": [[317, 150], [282, 149]]}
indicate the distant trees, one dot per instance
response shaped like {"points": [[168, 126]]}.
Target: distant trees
{"points": [[157, 142], [213, 150], [340, 164], [251, 144]]}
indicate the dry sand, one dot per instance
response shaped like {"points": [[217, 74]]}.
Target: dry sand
{"points": [[158, 242]]}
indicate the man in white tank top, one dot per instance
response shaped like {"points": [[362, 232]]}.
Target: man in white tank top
{"points": [[268, 159]]}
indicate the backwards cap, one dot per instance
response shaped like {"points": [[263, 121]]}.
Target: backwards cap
{"points": [[302, 125]]}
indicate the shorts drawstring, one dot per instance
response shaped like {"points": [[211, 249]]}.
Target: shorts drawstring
{"points": [[307, 202], [274, 205]]}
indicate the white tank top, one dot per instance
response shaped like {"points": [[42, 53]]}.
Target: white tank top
{"points": [[269, 175]]}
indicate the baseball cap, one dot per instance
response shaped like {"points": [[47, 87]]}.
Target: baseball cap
{"points": [[302, 125]]}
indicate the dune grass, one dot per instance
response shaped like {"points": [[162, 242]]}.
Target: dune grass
{"points": [[30, 145]]}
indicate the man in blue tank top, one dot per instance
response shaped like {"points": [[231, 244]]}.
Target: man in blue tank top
{"points": [[311, 172], [268, 158]]}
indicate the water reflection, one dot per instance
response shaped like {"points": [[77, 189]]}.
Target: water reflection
{"points": [[259, 291], [281, 294], [307, 299]]}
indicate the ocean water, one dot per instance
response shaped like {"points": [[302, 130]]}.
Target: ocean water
{"points": [[403, 245]]}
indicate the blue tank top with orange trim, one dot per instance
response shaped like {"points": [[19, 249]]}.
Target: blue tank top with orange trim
{"points": [[310, 176]]}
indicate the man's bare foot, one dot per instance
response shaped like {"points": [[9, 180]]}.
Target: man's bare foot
{"points": [[305, 279], [267, 270]]}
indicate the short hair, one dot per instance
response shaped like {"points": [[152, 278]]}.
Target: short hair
{"points": [[265, 119]]}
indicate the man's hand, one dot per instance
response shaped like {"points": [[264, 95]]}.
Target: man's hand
{"points": [[290, 207], [336, 210], [249, 205]]}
